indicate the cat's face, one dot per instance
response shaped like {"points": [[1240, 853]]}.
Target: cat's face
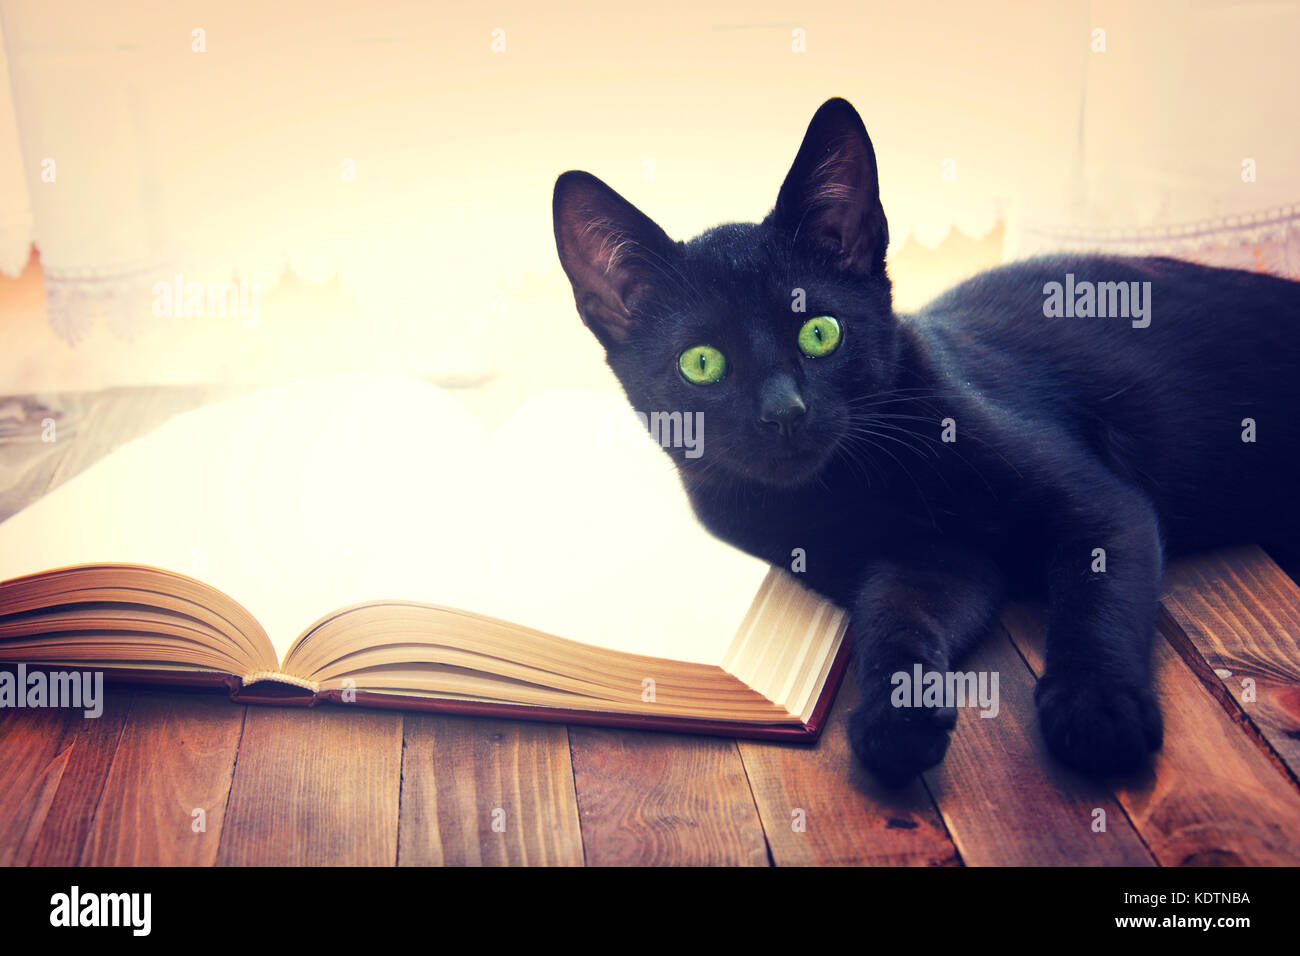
{"points": [[772, 331]]}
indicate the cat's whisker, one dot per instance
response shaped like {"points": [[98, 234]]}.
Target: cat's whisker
{"points": [[860, 468], [921, 450], [845, 449], [918, 451], [894, 397], [947, 446], [920, 493], [876, 416]]}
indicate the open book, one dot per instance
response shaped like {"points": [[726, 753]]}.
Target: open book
{"points": [[366, 540]]}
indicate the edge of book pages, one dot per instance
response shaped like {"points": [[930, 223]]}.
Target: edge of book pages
{"points": [[783, 666], [276, 693]]}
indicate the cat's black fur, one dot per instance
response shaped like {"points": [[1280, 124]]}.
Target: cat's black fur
{"points": [[1072, 434]]}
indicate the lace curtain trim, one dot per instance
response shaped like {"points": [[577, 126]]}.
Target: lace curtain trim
{"points": [[1266, 241]]}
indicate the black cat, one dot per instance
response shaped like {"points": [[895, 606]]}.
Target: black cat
{"points": [[1058, 424]]}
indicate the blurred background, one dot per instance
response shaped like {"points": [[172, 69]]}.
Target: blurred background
{"points": [[240, 192]]}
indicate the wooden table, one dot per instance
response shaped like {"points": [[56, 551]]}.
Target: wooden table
{"points": [[341, 786]]}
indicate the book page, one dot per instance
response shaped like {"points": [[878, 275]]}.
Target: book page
{"points": [[613, 554], [304, 498]]}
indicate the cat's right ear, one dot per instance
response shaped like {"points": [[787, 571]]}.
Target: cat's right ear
{"points": [[612, 253], [830, 199]]}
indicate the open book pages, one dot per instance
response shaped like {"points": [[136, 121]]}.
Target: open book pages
{"points": [[303, 499]]}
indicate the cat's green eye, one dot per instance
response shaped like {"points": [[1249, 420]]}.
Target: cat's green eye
{"points": [[702, 365], [819, 336]]}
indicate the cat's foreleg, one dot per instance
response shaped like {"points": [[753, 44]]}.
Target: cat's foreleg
{"points": [[925, 608], [1096, 706]]}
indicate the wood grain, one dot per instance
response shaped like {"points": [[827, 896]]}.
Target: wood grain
{"points": [[819, 807], [315, 787], [1211, 797], [175, 757], [87, 426], [487, 792], [28, 460], [90, 746], [1005, 801], [648, 798], [1237, 619], [36, 757]]}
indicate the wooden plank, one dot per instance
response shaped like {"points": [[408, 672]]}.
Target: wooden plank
{"points": [[314, 787], [1005, 801], [1237, 618], [819, 807], [120, 414], [53, 800], [90, 745], [487, 792], [27, 460], [35, 759], [175, 757], [56, 762], [1212, 796], [87, 426], [647, 798]]}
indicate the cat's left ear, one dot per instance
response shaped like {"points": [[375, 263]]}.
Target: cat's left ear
{"points": [[612, 253], [831, 196]]}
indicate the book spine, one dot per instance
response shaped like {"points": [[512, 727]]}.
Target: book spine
{"points": [[274, 693]]}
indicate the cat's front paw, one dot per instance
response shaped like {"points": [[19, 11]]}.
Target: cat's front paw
{"points": [[1096, 725], [896, 743]]}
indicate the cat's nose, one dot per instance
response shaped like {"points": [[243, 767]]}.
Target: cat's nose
{"points": [[780, 403]]}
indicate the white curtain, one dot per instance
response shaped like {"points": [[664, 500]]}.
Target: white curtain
{"points": [[15, 208], [400, 156], [1189, 138]]}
